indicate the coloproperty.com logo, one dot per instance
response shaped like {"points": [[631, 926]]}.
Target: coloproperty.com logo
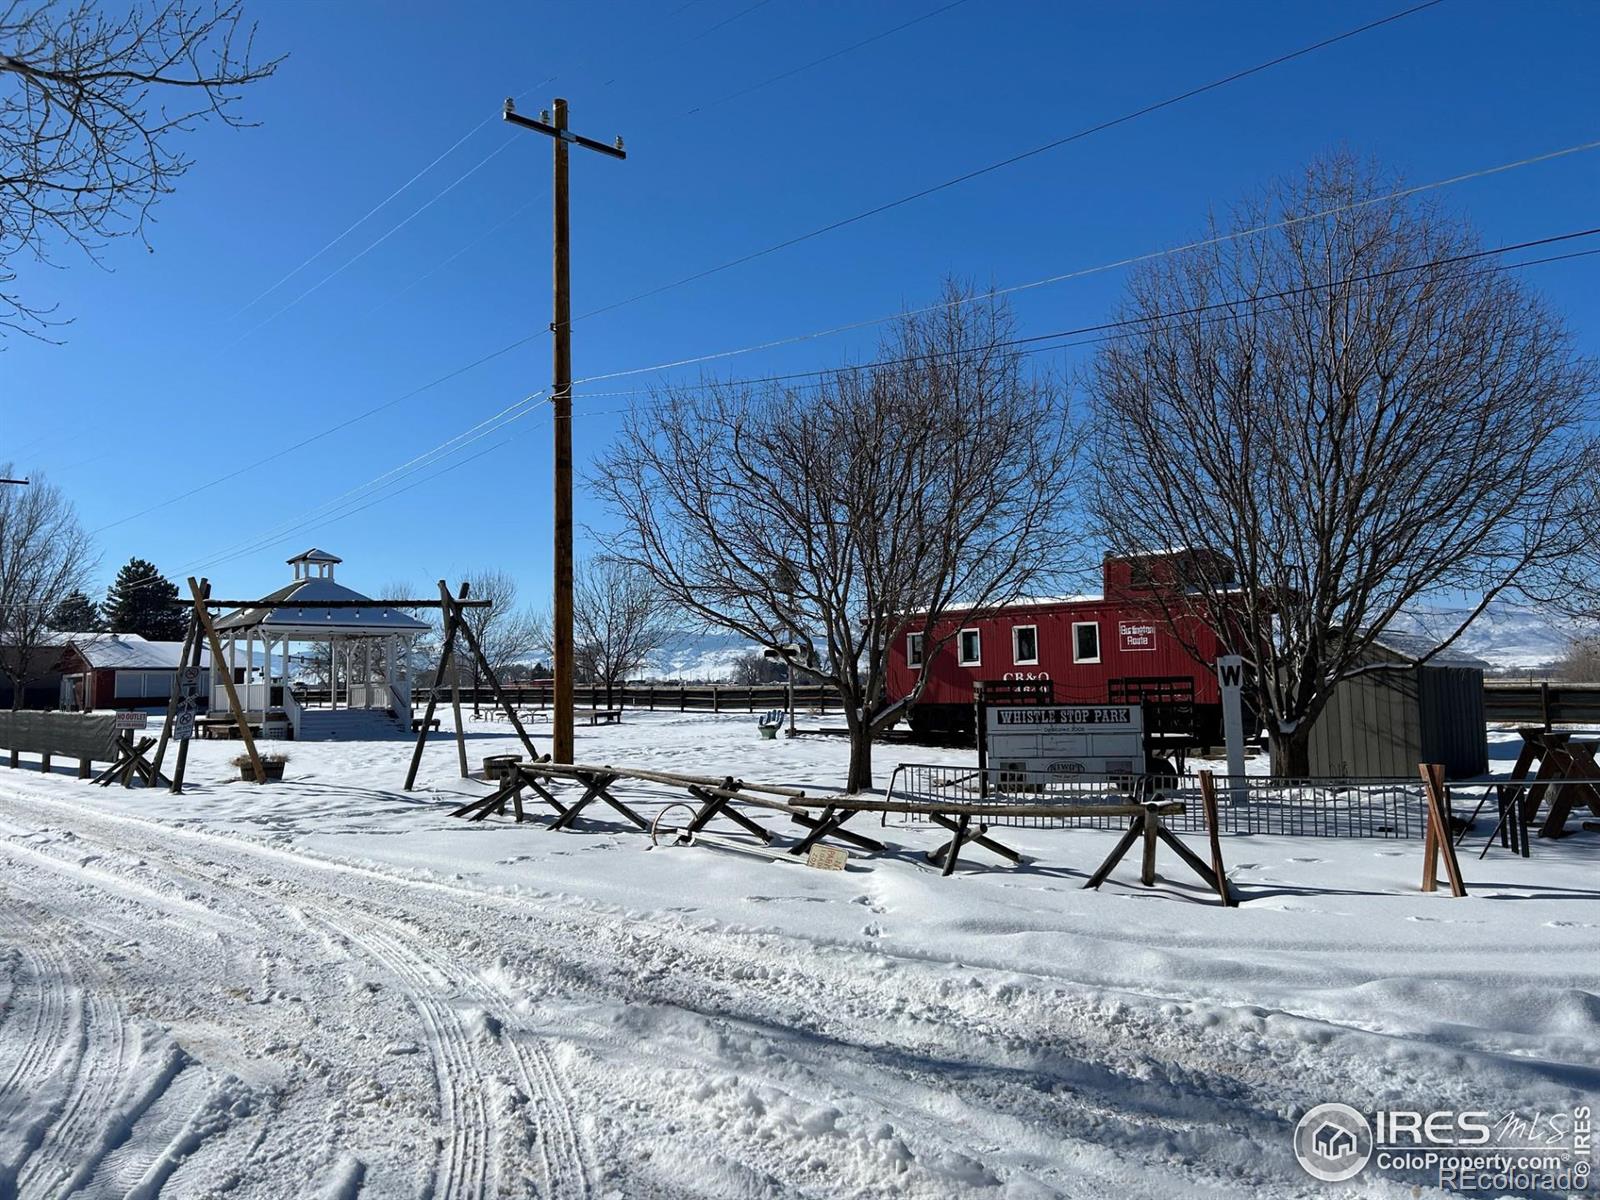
{"points": [[1461, 1151]]}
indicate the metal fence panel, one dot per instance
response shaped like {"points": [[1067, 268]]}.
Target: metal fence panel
{"points": [[1358, 808]]}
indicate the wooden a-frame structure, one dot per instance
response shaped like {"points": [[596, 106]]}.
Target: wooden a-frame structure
{"points": [[455, 623]]}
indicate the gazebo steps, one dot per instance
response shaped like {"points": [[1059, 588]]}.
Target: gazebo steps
{"points": [[349, 725]]}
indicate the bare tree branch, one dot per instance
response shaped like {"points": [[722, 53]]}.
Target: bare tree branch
{"points": [[88, 144]]}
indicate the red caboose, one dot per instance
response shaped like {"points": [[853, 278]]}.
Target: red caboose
{"points": [[1118, 647]]}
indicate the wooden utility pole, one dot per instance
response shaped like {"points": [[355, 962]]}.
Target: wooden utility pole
{"points": [[561, 406]]}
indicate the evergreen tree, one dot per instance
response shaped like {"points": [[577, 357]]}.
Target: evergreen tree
{"points": [[76, 614], [140, 601]]}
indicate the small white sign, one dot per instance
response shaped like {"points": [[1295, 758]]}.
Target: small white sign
{"points": [[827, 858], [132, 720]]}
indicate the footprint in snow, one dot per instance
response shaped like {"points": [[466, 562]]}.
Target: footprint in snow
{"points": [[1308, 860]]}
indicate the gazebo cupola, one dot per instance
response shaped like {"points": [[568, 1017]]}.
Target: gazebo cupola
{"points": [[363, 642], [314, 564]]}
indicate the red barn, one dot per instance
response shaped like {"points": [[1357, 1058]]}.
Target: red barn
{"points": [[1118, 647]]}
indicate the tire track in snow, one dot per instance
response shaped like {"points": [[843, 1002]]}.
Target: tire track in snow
{"points": [[563, 1153], [26, 1104], [467, 1158], [98, 1079]]}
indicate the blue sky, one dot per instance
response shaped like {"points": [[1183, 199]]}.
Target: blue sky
{"points": [[177, 370]]}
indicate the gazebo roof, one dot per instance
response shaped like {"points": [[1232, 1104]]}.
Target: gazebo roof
{"points": [[316, 555], [292, 611]]}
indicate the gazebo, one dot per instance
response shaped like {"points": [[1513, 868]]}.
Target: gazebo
{"points": [[367, 645]]}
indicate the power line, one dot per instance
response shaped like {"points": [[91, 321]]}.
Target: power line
{"points": [[817, 62], [1127, 322], [371, 246], [371, 212], [511, 413], [1100, 268], [335, 519], [797, 338], [1031, 344], [744, 12], [317, 437], [1102, 126]]}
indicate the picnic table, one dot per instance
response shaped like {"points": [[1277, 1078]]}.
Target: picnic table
{"points": [[600, 716], [1568, 774]]}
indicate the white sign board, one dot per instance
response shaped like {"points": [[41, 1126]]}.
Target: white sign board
{"points": [[1230, 678], [1066, 739], [132, 720]]}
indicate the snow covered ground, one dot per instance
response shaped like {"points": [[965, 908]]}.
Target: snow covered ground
{"points": [[327, 987]]}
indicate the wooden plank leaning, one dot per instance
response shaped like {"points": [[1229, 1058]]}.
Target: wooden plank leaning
{"points": [[1438, 841], [452, 618]]}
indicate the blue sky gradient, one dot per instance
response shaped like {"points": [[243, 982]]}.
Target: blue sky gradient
{"points": [[178, 370]]}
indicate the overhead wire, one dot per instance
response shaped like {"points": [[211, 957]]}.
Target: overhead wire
{"points": [[1056, 143], [1100, 268], [1030, 344], [817, 62], [1127, 322]]}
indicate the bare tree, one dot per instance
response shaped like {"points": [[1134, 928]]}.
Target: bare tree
{"points": [[830, 517], [619, 617], [97, 98], [1345, 414], [507, 633], [750, 670], [44, 557], [1582, 661]]}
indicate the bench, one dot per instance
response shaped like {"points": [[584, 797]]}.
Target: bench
{"points": [[416, 724], [600, 716]]}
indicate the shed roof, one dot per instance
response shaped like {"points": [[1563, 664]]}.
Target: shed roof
{"points": [[1414, 647], [129, 651]]}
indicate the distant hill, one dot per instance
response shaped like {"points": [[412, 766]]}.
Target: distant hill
{"points": [[705, 657], [1505, 635]]}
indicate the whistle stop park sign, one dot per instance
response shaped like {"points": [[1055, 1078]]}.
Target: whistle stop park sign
{"points": [[1066, 739]]}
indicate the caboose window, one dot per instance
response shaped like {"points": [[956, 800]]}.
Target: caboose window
{"points": [[913, 649], [1085, 641], [971, 648], [1025, 645]]}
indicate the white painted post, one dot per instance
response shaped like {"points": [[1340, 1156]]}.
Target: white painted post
{"points": [[1230, 675], [333, 675]]}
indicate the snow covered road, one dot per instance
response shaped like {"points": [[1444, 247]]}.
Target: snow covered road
{"points": [[224, 994]]}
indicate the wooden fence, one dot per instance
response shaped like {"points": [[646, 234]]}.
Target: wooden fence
{"points": [[1541, 703], [669, 697]]}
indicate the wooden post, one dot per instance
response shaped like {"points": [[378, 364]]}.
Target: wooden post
{"points": [[455, 708], [190, 636], [499, 692], [85, 768], [452, 618], [1438, 840], [181, 765], [1208, 803], [1147, 871], [200, 593]]}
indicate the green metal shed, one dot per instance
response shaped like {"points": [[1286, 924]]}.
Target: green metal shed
{"points": [[1382, 723]]}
